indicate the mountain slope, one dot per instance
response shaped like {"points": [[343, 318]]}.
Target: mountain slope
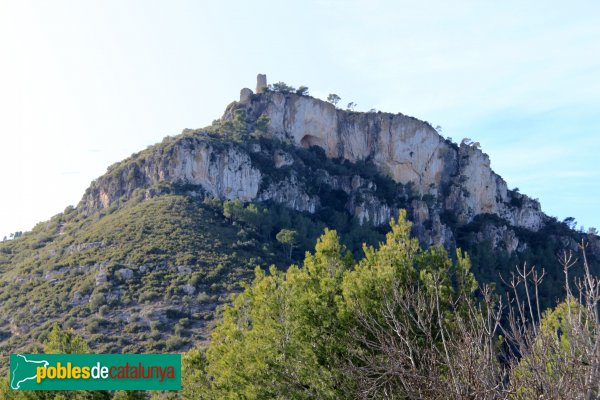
{"points": [[124, 276], [165, 236]]}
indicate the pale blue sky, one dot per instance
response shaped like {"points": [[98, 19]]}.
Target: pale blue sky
{"points": [[84, 84]]}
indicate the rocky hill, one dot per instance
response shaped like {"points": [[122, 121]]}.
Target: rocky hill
{"points": [[161, 240], [440, 175]]}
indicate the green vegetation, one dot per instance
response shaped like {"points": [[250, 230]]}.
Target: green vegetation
{"points": [[150, 273], [178, 254], [173, 256], [171, 252], [290, 334], [302, 91], [289, 238], [282, 87], [493, 265], [64, 342], [333, 99], [403, 322]]}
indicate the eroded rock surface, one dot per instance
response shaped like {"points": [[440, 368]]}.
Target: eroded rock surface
{"points": [[434, 176]]}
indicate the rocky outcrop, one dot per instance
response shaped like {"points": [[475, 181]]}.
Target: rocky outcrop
{"points": [[282, 159], [478, 190], [499, 236], [528, 214], [290, 193], [367, 208], [408, 150], [433, 176], [125, 274], [223, 171]]}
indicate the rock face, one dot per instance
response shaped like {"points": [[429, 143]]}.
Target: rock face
{"points": [[408, 150], [224, 172], [433, 175], [405, 148], [283, 159], [369, 209], [290, 192]]}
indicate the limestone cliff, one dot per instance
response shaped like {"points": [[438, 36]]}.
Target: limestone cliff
{"points": [[408, 150], [434, 177], [223, 171]]}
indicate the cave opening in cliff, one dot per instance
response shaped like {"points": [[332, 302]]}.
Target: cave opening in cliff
{"points": [[310, 140]]}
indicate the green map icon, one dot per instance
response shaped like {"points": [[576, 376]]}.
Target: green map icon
{"points": [[24, 368]]}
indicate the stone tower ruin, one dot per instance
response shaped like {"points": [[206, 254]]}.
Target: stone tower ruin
{"points": [[261, 83]]}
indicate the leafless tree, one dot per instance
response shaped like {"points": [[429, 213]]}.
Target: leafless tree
{"points": [[559, 357], [411, 351], [484, 347]]}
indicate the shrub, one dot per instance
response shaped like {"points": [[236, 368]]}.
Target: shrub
{"points": [[174, 343]]}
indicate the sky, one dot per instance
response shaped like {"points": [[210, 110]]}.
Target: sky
{"points": [[84, 84]]}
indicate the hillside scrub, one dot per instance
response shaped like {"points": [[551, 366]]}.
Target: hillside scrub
{"points": [[403, 322]]}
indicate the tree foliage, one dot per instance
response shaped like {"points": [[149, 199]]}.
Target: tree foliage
{"points": [[302, 91], [282, 87], [333, 98], [403, 322], [289, 238], [293, 334], [64, 342]]}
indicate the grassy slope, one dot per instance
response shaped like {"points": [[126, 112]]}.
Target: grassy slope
{"points": [[166, 242]]}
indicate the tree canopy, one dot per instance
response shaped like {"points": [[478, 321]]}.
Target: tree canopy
{"points": [[294, 334]]}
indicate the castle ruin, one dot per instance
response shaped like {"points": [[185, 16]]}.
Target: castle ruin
{"points": [[261, 83]]}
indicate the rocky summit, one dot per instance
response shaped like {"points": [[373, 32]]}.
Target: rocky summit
{"points": [[160, 242], [445, 176]]}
